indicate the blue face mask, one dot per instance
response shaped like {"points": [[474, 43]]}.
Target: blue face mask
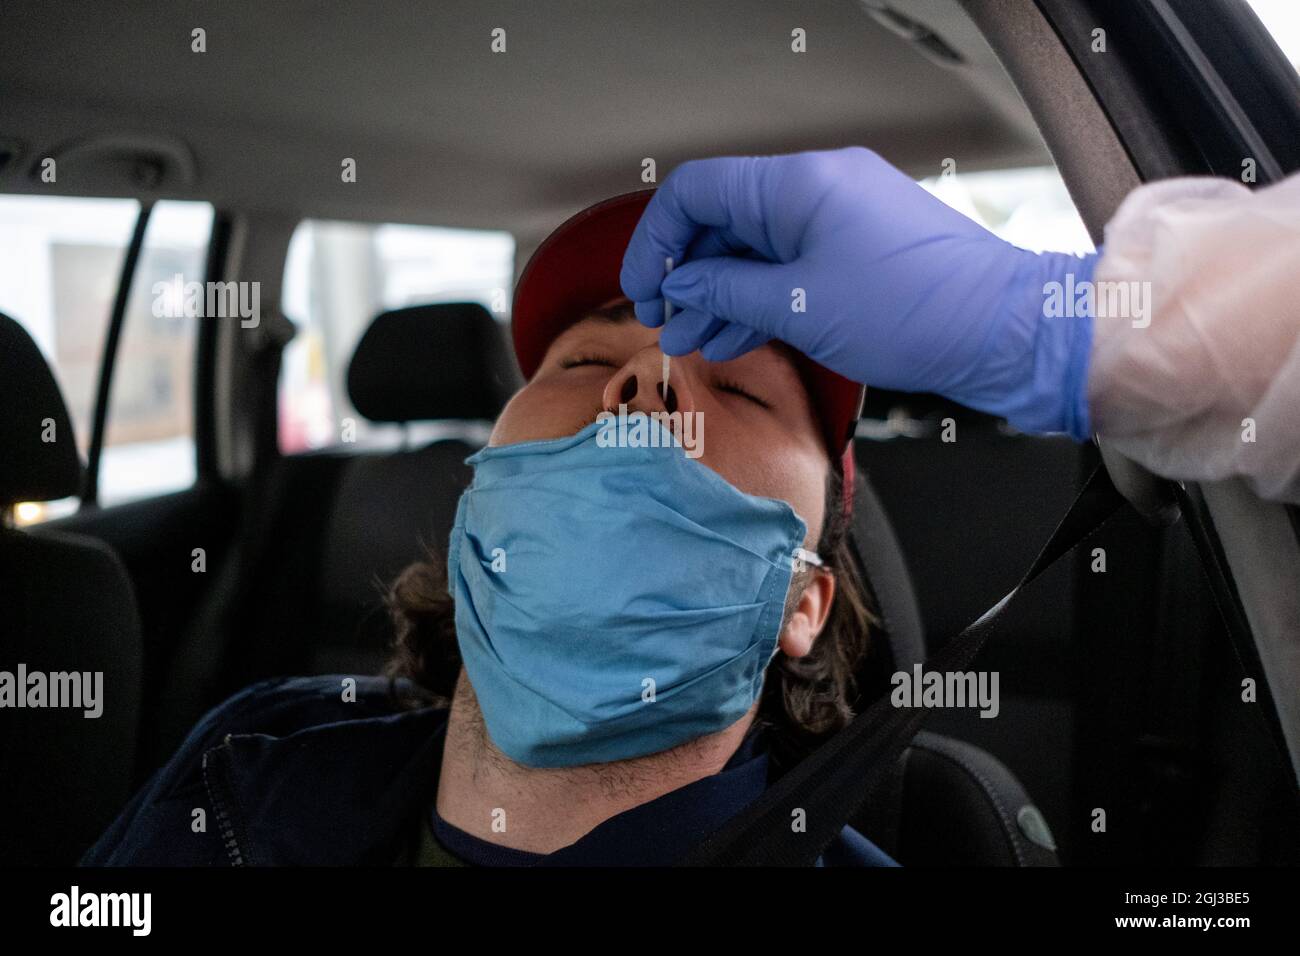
{"points": [[613, 602]]}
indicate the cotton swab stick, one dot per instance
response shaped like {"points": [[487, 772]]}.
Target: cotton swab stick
{"points": [[668, 311]]}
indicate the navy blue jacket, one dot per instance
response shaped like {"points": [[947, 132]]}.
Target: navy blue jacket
{"points": [[288, 773]]}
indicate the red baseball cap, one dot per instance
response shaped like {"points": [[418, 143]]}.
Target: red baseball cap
{"points": [[576, 271]]}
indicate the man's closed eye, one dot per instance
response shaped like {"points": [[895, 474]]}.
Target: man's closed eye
{"points": [[580, 360], [735, 389]]}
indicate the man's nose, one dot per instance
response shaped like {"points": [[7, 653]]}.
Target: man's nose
{"points": [[639, 385]]}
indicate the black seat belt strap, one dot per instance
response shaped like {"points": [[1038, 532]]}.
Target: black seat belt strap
{"points": [[799, 815]]}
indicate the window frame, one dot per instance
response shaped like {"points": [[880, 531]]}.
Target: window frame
{"points": [[206, 463]]}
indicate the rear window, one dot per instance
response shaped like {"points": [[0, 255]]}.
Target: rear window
{"points": [[338, 277], [60, 263]]}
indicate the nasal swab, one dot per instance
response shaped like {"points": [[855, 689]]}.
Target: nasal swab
{"points": [[668, 311]]}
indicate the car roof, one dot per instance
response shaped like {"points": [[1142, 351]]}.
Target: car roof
{"points": [[445, 131]]}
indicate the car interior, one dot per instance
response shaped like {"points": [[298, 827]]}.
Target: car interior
{"points": [[243, 490]]}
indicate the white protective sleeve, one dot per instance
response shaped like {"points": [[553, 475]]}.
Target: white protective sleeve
{"points": [[1206, 384]]}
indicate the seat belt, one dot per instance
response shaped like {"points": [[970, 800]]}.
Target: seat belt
{"points": [[828, 787]]}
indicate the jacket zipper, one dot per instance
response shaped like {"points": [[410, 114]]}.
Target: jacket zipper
{"points": [[219, 793]]}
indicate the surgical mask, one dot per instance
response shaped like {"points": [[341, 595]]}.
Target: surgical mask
{"points": [[613, 602]]}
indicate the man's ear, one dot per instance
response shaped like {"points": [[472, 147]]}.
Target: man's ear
{"points": [[809, 616]]}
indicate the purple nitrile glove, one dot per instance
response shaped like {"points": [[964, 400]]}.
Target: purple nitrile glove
{"points": [[847, 259]]}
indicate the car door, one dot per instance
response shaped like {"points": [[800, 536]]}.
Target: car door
{"points": [[1203, 650]]}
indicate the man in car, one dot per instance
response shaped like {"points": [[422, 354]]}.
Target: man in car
{"points": [[634, 639]]}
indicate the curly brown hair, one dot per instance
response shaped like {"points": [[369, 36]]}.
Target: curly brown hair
{"points": [[804, 700]]}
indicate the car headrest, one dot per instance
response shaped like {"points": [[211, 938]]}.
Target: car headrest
{"points": [[38, 449], [432, 362], [886, 571]]}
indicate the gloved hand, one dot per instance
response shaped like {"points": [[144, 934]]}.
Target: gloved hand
{"points": [[899, 291]]}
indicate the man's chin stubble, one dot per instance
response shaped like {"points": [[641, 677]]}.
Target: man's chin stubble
{"points": [[468, 738]]}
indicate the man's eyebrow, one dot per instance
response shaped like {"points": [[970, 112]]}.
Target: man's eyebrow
{"points": [[600, 319], [614, 314]]}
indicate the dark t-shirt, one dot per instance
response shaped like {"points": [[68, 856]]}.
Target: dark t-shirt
{"points": [[438, 843]]}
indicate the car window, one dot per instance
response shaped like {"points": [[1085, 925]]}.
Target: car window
{"points": [[1282, 19], [1029, 207], [149, 439], [60, 263], [338, 277]]}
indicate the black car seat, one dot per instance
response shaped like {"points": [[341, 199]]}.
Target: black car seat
{"points": [[334, 527], [68, 607], [949, 803]]}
